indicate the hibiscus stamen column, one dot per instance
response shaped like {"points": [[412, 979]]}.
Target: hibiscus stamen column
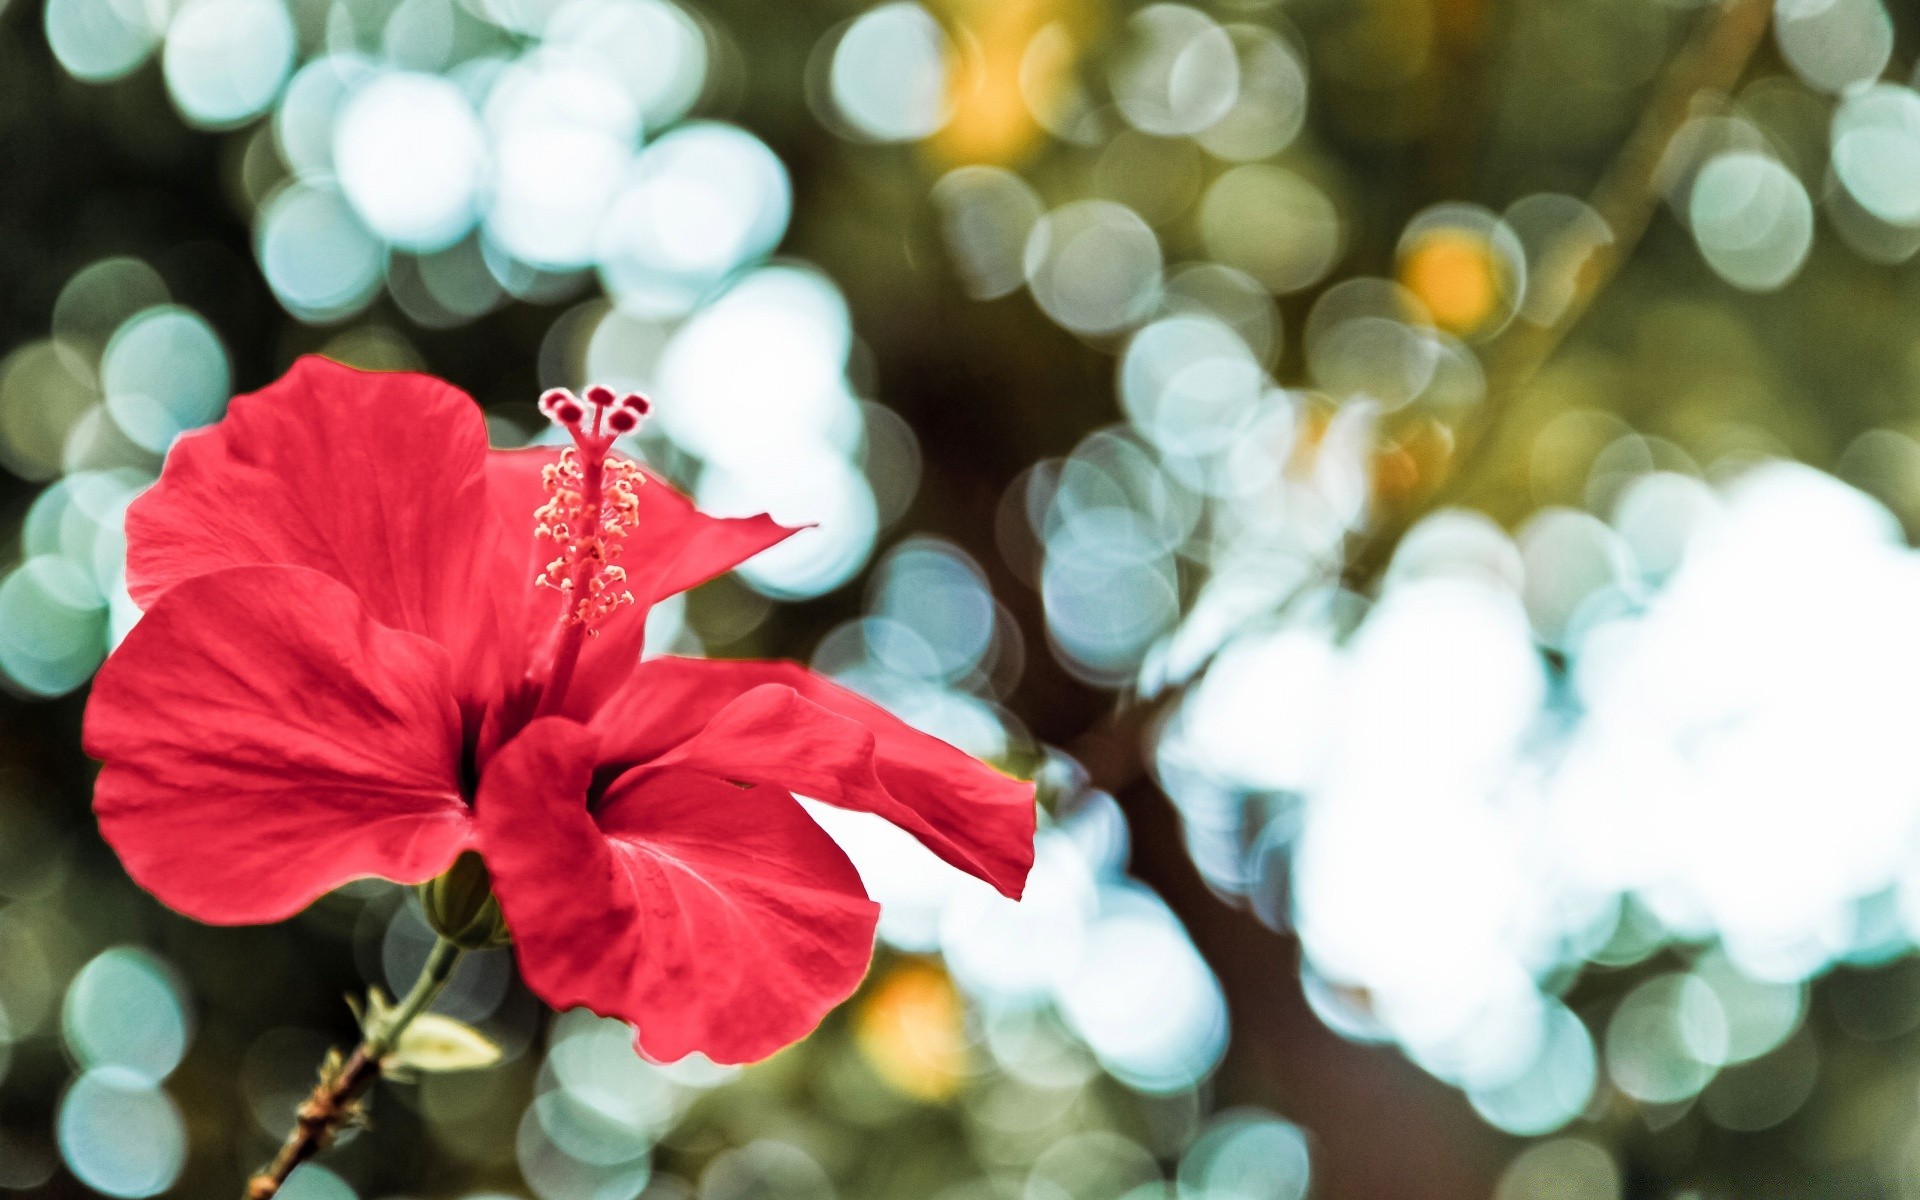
{"points": [[591, 508]]}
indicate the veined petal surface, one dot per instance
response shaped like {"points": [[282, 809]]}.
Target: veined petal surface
{"points": [[712, 917], [265, 741], [780, 724], [376, 479]]}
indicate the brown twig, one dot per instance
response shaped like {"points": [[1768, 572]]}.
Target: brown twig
{"points": [[1626, 199], [333, 1105], [335, 1102]]}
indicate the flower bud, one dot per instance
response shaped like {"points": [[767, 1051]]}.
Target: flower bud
{"points": [[461, 906]]}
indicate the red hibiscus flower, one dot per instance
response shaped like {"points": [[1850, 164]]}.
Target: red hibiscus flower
{"points": [[371, 643]]}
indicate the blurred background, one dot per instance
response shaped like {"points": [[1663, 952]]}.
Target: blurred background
{"points": [[1425, 485]]}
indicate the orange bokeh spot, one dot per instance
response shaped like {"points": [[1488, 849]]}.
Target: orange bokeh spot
{"points": [[998, 42], [1418, 458], [1395, 475], [1455, 274], [909, 1030], [990, 122]]}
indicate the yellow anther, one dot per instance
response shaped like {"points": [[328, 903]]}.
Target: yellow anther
{"points": [[588, 520]]}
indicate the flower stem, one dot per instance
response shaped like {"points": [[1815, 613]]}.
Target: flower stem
{"points": [[335, 1100]]}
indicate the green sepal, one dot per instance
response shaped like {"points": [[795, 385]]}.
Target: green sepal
{"points": [[461, 907]]}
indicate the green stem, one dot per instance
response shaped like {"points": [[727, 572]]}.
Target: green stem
{"points": [[441, 961], [335, 1100]]}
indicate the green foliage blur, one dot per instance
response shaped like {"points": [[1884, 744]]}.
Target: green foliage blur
{"points": [[1690, 356]]}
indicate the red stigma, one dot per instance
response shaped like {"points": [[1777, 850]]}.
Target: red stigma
{"points": [[560, 405], [611, 415]]}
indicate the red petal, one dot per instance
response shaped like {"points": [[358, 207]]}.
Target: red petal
{"points": [[780, 724], [265, 741], [713, 918], [376, 479], [675, 547]]}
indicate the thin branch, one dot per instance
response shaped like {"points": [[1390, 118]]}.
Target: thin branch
{"points": [[1626, 198], [335, 1101]]}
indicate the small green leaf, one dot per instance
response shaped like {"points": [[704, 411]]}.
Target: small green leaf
{"points": [[436, 1043]]}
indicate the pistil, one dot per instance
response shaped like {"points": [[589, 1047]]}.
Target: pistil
{"points": [[592, 505]]}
